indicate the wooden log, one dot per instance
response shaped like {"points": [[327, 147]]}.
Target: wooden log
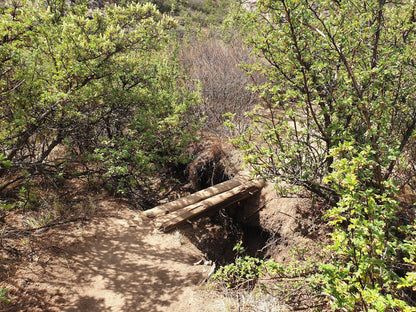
{"points": [[194, 198], [209, 205]]}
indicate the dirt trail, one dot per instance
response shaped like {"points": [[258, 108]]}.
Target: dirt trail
{"points": [[116, 263]]}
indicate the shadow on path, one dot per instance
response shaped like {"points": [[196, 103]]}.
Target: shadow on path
{"points": [[120, 265]]}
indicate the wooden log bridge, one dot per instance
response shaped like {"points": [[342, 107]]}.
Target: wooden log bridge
{"points": [[171, 215]]}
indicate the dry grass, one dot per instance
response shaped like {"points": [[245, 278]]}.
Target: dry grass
{"points": [[215, 64], [227, 300]]}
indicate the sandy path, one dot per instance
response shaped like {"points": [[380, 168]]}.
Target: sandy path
{"points": [[115, 263]]}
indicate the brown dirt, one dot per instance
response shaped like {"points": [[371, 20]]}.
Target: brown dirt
{"points": [[114, 262], [293, 223]]}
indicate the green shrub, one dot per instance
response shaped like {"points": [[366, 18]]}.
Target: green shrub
{"points": [[373, 250], [243, 273], [82, 90], [246, 270], [338, 119], [336, 71]]}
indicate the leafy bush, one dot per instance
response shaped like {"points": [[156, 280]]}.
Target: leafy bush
{"points": [[375, 251], [246, 270], [336, 71], [87, 93], [338, 119]]}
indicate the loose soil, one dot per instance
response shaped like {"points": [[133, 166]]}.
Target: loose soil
{"points": [[113, 262], [114, 259]]}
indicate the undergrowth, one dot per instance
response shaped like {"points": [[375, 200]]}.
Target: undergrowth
{"points": [[288, 284]]}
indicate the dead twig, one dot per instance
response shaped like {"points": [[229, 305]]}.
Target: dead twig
{"points": [[35, 231]]}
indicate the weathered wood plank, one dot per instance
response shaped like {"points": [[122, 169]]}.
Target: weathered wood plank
{"points": [[209, 205], [194, 198]]}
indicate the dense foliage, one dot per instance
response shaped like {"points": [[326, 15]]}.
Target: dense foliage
{"points": [[337, 71], [373, 239], [338, 119], [94, 91]]}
